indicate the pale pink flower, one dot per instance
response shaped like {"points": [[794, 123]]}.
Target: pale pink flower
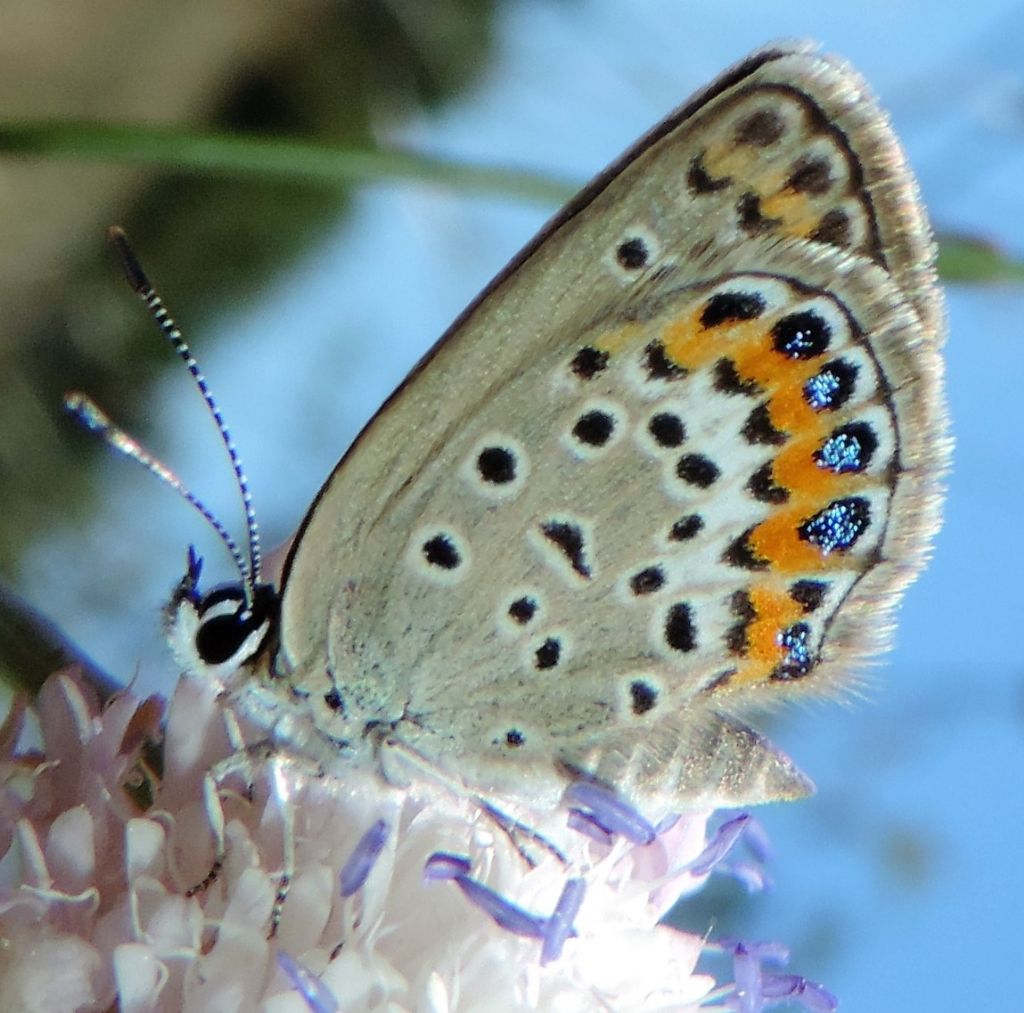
{"points": [[97, 911]]}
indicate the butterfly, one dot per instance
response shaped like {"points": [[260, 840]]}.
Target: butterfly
{"points": [[677, 463]]}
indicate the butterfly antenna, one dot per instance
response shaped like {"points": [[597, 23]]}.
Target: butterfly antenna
{"points": [[141, 284], [90, 415]]}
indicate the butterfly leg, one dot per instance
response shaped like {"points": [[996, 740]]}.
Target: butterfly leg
{"points": [[520, 834], [397, 758], [282, 793], [238, 761], [244, 760]]}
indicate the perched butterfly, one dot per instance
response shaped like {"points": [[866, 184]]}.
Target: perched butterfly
{"points": [[677, 462]]}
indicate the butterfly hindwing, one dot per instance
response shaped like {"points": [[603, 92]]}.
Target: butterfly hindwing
{"points": [[678, 461]]}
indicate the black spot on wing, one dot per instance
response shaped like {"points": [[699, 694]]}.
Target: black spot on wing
{"points": [[763, 487], [699, 181], [680, 632], [759, 430], [802, 335], [548, 654], [728, 381], [741, 555], [594, 428], [833, 229], [811, 174], [647, 581], [569, 538], [697, 470], [808, 594], [334, 700], [658, 365], [496, 465], [686, 528], [750, 217], [732, 307], [643, 696], [523, 609], [588, 362], [742, 609], [667, 429], [760, 129], [632, 254], [440, 551]]}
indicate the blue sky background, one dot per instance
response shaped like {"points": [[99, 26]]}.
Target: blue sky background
{"points": [[896, 884]]}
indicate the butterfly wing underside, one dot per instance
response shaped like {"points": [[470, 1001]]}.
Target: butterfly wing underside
{"points": [[678, 462]]}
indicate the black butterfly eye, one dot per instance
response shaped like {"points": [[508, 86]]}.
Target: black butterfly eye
{"points": [[225, 624]]}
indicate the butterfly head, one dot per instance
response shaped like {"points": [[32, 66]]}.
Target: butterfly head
{"points": [[223, 631], [217, 633]]}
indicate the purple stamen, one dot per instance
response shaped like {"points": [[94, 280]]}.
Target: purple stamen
{"points": [[720, 845], [757, 991], [554, 931], [508, 915], [559, 925], [720, 854], [362, 860], [813, 997], [584, 823], [746, 969], [444, 865], [666, 823], [752, 876], [767, 949], [610, 812], [318, 997], [757, 841]]}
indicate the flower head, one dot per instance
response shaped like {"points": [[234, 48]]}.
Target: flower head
{"points": [[166, 892]]}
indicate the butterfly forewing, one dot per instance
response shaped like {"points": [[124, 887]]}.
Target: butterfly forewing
{"points": [[680, 459]]}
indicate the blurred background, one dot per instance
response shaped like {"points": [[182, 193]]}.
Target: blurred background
{"points": [[307, 301]]}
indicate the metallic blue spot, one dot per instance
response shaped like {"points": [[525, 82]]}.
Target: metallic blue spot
{"points": [[820, 390], [838, 526], [832, 386], [798, 660], [849, 448]]}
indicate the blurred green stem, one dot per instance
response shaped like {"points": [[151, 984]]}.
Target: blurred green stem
{"points": [[258, 155], [961, 259]]}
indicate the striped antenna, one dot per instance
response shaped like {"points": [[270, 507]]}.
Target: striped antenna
{"points": [[140, 283], [90, 415]]}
